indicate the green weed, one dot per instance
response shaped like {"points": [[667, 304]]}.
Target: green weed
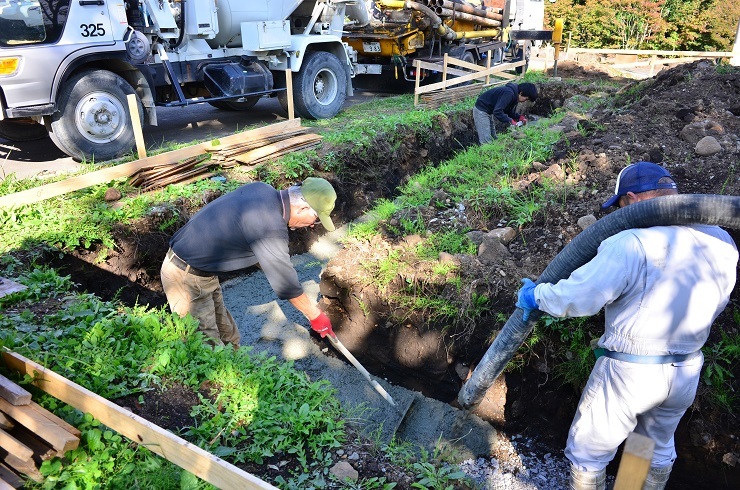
{"points": [[719, 360]]}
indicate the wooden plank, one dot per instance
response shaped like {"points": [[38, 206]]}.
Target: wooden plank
{"points": [[41, 450], [5, 485], [496, 71], [56, 420], [133, 108], [264, 151], [11, 477], [27, 467], [123, 170], [14, 446], [175, 449], [57, 437], [289, 89], [13, 393], [649, 52], [635, 463], [5, 422]]}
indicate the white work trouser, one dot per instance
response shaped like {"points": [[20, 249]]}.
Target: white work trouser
{"points": [[621, 397]]}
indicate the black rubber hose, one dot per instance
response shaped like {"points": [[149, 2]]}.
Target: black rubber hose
{"points": [[661, 211]]}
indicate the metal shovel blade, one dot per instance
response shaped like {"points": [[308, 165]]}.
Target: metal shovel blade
{"points": [[341, 348]]}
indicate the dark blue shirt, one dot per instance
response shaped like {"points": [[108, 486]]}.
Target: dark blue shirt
{"points": [[240, 229], [500, 102]]}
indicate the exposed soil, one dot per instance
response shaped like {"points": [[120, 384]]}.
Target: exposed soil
{"points": [[660, 120]]}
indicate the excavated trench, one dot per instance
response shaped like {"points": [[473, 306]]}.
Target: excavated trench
{"points": [[412, 353]]}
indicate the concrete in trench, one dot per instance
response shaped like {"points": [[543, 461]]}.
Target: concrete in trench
{"points": [[272, 325]]}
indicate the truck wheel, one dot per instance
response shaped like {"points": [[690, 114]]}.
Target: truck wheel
{"points": [[93, 120], [320, 86], [230, 105], [17, 130]]}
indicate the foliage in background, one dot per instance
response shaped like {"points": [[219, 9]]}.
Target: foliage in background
{"points": [[680, 25]]}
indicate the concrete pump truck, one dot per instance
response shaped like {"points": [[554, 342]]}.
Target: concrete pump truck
{"points": [[67, 66]]}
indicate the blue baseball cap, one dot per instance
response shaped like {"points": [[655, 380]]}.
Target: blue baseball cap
{"points": [[640, 177]]}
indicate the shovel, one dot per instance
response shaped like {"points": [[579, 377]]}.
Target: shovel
{"points": [[341, 348]]}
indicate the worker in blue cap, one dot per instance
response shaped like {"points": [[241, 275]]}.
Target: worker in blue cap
{"points": [[661, 289]]}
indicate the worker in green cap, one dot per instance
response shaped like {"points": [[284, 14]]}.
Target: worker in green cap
{"points": [[245, 227]]}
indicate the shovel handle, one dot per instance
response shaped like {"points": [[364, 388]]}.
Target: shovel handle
{"points": [[341, 348]]}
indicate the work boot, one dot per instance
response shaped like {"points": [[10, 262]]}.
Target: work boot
{"points": [[587, 480], [657, 478]]}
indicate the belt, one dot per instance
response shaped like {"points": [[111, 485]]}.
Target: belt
{"points": [[667, 359], [181, 264]]}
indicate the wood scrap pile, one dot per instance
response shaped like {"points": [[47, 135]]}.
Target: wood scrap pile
{"points": [[164, 174], [451, 95], [29, 435], [247, 151], [253, 152]]}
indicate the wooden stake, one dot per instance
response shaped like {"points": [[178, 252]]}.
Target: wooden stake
{"points": [[289, 89], [635, 464], [133, 108]]}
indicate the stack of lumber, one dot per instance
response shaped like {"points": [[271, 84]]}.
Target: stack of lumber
{"points": [[451, 95], [248, 151], [29, 435], [253, 152], [163, 174]]}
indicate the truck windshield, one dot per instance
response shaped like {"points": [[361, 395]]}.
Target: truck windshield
{"points": [[28, 22]]}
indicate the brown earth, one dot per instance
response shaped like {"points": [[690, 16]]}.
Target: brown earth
{"points": [[659, 120]]}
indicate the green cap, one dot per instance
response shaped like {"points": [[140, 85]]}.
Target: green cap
{"points": [[320, 195]]}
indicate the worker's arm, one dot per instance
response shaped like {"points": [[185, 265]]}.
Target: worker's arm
{"points": [[309, 309], [320, 323]]}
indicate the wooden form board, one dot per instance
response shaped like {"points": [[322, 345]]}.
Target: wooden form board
{"points": [[479, 72], [127, 169], [635, 463], [171, 447], [650, 52]]}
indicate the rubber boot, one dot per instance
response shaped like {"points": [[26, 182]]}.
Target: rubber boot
{"points": [[657, 478], [587, 480]]}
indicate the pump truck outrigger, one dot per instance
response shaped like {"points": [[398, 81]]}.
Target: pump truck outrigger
{"points": [[67, 66]]}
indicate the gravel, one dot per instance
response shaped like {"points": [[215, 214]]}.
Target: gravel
{"points": [[519, 464]]}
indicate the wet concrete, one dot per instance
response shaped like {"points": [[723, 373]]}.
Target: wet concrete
{"points": [[274, 326]]}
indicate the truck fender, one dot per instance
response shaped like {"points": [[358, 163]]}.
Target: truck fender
{"points": [[301, 44], [116, 62]]}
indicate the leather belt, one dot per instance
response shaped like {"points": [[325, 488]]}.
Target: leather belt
{"points": [[182, 265], [667, 359]]}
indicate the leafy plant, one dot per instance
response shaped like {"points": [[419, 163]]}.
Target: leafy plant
{"points": [[720, 358], [437, 478]]}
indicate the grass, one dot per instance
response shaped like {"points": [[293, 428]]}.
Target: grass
{"points": [[259, 407]]}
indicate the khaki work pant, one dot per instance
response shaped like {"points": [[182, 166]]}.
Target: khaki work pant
{"points": [[203, 299]]}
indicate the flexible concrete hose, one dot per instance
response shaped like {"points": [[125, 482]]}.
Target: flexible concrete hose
{"points": [[661, 211], [437, 24]]}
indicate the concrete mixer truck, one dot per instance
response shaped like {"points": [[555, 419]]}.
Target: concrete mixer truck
{"points": [[68, 66], [400, 31]]}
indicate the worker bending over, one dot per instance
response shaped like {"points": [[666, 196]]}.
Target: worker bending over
{"points": [[497, 107]]}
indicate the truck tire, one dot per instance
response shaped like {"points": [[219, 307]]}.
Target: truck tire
{"points": [[320, 86], [469, 58], [231, 105], [93, 119], [18, 130]]}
